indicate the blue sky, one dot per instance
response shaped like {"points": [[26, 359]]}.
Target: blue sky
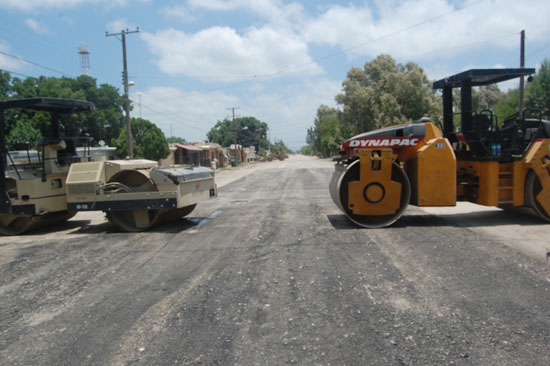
{"points": [[275, 60]]}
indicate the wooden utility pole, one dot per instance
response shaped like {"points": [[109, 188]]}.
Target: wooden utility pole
{"points": [[235, 129], [123, 33], [521, 65], [233, 109]]}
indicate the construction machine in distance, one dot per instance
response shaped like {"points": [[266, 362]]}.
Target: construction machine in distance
{"points": [[52, 183], [505, 165]]}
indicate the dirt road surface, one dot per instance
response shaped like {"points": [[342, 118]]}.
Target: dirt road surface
{"points": [[271, 273]]}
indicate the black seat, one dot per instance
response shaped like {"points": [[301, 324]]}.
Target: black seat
{"points": [[68, 154]]}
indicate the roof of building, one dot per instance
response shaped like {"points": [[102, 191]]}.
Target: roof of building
{"points": [[188, 147]]}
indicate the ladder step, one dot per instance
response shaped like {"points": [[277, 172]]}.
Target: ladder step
{"points": [[506, 187], [505, 202]]}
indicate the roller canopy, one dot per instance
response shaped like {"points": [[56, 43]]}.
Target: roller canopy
{"points": [[480, 77], [52, 105]]}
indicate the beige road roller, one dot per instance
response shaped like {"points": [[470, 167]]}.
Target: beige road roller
{"points": [[32, 186], [51, 183], [136, 194]]}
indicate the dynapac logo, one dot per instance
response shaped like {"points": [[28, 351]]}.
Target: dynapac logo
{"points": [[383, 141]]}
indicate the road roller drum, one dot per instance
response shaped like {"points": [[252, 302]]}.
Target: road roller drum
{"points": [[372, 191]]}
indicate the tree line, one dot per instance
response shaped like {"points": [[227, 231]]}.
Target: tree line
{"points": [[245, 131], [385, 93], [106, 123]]}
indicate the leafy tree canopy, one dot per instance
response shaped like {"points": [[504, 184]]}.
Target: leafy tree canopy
{"points": [[175, 139], [327, 133], [246, 131], [538, 91], [385, 93], [102, 124], [279, 145], [148, 141], [23, 132], [536, 96]]}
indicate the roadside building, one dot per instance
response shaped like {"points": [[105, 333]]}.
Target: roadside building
{"points": [[236, 153], [186, 154], [171, 158], [213, 155]]}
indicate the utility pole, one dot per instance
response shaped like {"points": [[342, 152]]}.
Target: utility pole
{"points": [[235, 129], [139, 96], [521, 65], [233, 110], [123, 33]]}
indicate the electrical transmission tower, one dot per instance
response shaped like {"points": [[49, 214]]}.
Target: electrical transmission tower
{"points": [[84, 59]]}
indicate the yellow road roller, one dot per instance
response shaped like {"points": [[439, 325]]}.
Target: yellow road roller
{"points": [[505, 164], [51, 183]]}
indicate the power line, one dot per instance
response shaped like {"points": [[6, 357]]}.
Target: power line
{"points": [[347, 50], [256, 77], [16, 73], [35, 64], [173, 119]]}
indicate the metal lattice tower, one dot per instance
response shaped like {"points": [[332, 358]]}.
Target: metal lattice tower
{"points": [[84, 59]]}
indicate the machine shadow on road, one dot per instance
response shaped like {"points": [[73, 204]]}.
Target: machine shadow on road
{"points": [[88, 227], [469, 219]]}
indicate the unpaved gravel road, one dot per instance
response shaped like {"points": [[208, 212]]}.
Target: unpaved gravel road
{"points": [[270, 273]]}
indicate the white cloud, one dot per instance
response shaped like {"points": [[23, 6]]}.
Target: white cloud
{"points": [[289, 111], [34, 5], [217, 5], [117, 25], [343, 26], [278, 13], [6, 62], [177, 11], [197, 112], [37, 27], [221, 54], [384, 29]]}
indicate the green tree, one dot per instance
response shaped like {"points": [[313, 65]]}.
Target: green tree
{"points": [[104, 123], [385, 93], [149, 141], [327, 133], [507, 106], [307, 150], [5, 84], [23, 132], [174, 139], [246, 131], [279, 145], [538, 91]]}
